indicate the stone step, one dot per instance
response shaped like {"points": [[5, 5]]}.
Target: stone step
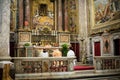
{"points": [[54, 75]]}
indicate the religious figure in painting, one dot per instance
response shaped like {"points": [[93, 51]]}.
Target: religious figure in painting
{"points": [[72, 24], [106, 44]]}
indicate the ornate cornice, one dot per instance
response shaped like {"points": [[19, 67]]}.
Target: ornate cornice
{"points": [[109, 28]]}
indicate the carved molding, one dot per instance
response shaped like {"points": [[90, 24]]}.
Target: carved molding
{"points": [[108, 28]]}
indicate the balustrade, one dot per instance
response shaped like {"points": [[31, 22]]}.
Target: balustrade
{"points": [[41, 65], [107, 63]]}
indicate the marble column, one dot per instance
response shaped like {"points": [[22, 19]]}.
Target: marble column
{"points": [[83, 29], [5, 28], [20, 10], [66, 16], [55, 14], [27, 11], [0, 14], [60, 24]]}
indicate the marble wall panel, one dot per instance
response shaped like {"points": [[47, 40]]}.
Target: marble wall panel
{"points": [[5, 25]]}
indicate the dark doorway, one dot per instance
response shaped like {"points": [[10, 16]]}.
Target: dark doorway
{"points": [[117, 47], [97, 51], [76, 48], [12, 49]]}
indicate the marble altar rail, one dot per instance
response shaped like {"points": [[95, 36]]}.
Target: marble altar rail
{"points": [[107, 64], [41, 65]]}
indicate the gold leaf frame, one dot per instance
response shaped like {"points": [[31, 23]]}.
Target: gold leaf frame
{"points": [[64, 39], [24, 37]]}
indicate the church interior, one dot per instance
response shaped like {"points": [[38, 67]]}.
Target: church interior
{"points": [[90, 27]]}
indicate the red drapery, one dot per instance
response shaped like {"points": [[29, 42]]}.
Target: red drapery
{"points": [[97, 49]]}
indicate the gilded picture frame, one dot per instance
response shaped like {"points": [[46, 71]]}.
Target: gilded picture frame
{"points": [[24, 37], [106, 44], [64, 38], [104, 13]]}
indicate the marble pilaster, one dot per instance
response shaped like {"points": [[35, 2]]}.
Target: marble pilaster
{"points": [[83, 28], [27, 10], [20, 9], [66, 16], [0, 14], [60, 24], [5, 28], [55, 14]]}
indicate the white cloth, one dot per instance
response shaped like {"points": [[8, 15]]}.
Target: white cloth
{"points": [[44, 54], [5, 62], [70, 53]]}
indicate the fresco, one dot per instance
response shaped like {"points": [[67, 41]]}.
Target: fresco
{"points": [[72, 13], [106, 10]]}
